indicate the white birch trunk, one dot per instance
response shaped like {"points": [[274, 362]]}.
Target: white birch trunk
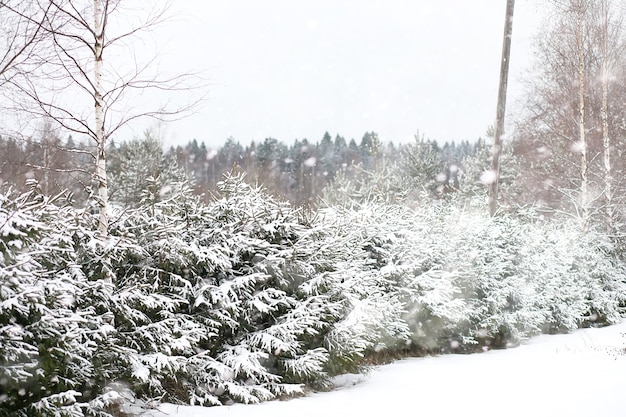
{"points": [[100, 138], [584, 168], [606, 140]]}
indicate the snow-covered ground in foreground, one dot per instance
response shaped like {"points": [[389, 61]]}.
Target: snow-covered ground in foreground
{"points": [[579, 374]]}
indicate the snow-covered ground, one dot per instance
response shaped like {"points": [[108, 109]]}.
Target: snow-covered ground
{"points": [[579, 374]]}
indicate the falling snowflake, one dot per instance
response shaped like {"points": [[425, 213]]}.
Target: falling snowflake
{"points": [[310, 162], [578, 147], [212, 154], [488, 177]]}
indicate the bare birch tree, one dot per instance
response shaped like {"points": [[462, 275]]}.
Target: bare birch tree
{"points": [[573, 125], [609, 22], [83, 91], [579, 7], [606, 139]]}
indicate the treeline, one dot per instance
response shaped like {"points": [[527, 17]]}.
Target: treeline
{"points": [[302, 171], [298, 172], [56, 164]]}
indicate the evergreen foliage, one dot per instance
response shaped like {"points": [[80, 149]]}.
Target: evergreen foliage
{"points": [[475, 175], [138, 167], [52, 337], [248, 298]]}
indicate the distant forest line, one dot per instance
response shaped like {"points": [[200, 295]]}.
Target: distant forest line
{"points": [[298, 172]]}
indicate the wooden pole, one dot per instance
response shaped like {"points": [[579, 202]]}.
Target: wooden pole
{"points": [[497, 137]]}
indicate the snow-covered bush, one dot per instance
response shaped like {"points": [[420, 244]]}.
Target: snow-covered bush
{"points": [[270, 320], [519, 276], [139, 168], [449, 276], [435, 286]]}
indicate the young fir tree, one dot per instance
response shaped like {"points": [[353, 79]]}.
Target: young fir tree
{"points": [[52, 337]]}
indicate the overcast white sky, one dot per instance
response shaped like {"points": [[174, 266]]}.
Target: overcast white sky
{"points": [[295, 69]]}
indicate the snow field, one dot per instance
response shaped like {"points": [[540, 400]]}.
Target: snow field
{"points": [[577, 374]]}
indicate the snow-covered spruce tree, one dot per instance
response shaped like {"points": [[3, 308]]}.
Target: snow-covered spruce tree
{"points": [[465, 279], [148, 258], [422, 168], [406, 278], [403, 298], [485, 257], [521, 276], [576, 279], [476, 175], [383, 185], [50, 333], [139, 166], [274, 297], [235, 297], [90, 318], [155, 331], [374, 319], [419, 263]]}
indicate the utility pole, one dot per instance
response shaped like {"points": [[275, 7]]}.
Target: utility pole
{"points": [[497, 137]]}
